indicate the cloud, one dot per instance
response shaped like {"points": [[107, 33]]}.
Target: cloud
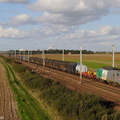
{"points": [[116, 11], [64, 37], [15, 1], [104, 33], [18, 20], [63, 34], [114, 3], [69, 12], [47, 31], [11, 33], [70, 20], [65, 12], [90, 39], [66, 6]]}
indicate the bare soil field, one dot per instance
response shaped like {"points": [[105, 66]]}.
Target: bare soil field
{"points": [[8, 106]]}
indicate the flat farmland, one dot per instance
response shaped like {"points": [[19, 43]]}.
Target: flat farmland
{"points": [[93, 61]]}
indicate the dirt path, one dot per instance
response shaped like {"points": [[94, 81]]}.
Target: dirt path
{"points": [[8, 106]]}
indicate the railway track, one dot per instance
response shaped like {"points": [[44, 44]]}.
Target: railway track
{"points": [[105, 91]]}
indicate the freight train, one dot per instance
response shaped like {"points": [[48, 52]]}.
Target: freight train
{"points": [[70, 67], [106, 74]]}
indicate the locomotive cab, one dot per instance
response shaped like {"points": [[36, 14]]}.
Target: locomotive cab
{"points": [[110, 75]]}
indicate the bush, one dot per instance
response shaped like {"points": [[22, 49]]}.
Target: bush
{"points": [[8, 59], [69, 104], [19, 68]]}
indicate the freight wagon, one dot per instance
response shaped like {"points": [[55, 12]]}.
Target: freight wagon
{"points": [[70, 67]]}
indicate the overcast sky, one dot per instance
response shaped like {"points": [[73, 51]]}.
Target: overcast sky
{"points": [[64, 24]]}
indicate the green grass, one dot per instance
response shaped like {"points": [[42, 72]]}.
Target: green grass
{"points": [[93, 65], [28, 107], [110, 61]]}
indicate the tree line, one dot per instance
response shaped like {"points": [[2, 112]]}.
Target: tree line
{"points": [[59, 51]]}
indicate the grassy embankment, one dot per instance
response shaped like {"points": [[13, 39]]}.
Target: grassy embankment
{"points": [[67, 103], [28, 106]]}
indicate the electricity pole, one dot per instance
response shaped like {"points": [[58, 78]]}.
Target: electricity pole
{"points": [[81, 64], [43, 57], [15, 54], [31, 53], [28, 56], [11, 54], [113, 56], [20, 54], [63, 55]]}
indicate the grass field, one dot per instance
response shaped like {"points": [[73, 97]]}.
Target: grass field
{"points": [[28, 106], [93, 61]]}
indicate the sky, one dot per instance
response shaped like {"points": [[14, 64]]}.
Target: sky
{"points": [[62, 24]]}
